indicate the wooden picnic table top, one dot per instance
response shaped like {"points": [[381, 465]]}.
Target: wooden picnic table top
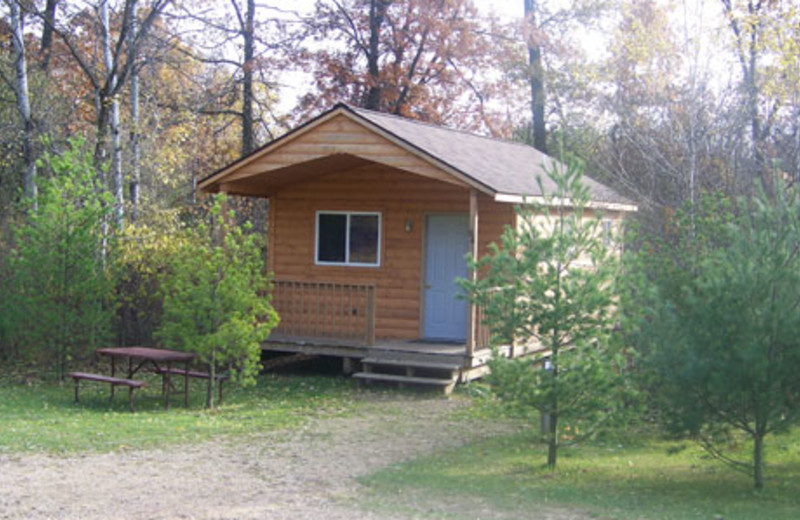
{"points": [[147, 353]]}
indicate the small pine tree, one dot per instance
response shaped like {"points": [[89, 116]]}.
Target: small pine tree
{"points": [[717, 324], [59, 303], [215, 299], [550, 282]]}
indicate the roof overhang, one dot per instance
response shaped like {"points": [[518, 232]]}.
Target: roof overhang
{"points": [[556, 201], [229, 178]]}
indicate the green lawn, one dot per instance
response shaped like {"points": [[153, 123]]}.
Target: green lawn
{"points": [[42, 417], [655, 480]]}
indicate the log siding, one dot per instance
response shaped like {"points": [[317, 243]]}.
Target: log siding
{"points": [[400, 197]]}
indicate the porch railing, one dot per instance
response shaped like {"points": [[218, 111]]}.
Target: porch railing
{"points": [[312, 310]]}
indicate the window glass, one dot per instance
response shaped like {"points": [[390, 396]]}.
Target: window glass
{"points": [[348, 238], [332, 237], [364, 239]]}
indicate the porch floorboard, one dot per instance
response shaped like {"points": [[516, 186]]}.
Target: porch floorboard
{"points": [[348, 348]]}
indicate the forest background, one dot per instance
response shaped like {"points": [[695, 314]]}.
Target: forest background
{"points": [[665, 100]]}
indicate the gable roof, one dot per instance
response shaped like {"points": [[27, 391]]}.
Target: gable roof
{"points": [[506, 170]]}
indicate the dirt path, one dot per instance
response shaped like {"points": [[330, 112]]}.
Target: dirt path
{"points": [[309, 473]]}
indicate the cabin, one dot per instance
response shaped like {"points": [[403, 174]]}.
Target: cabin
{"points": [[370, 219]]}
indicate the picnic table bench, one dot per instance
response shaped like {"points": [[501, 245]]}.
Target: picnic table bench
{"points": [[196, 374], [113, 381]]}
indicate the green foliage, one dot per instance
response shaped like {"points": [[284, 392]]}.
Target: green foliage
{"points": [[550, 284], [145, 252], [58, 300], [718, 324], [215, 298]]}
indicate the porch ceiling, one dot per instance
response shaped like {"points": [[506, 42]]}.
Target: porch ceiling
{"points": [[265, 183]]}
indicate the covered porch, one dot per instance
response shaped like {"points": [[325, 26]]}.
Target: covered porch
{"points": [[336, 319]]}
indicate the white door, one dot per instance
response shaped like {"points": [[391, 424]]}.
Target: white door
{"points": [[446, 244]]}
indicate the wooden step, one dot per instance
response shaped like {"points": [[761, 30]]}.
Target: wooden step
{"points": [[415, 356], [445, 384], [395, 362]]}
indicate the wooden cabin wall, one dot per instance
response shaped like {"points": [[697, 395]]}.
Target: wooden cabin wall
{"points": [[398, 196]]}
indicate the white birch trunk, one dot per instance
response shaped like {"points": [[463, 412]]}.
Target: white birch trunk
{"points": [[134, 137], [23, 101], [116, 148]]}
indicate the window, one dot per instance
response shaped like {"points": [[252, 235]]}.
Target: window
{"points": [[348, 238]]}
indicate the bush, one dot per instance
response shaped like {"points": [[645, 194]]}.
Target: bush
{"points": [[215, 298], [58, 304]]}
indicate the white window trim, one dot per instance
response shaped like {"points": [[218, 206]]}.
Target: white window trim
{"points": [[347, 261]]}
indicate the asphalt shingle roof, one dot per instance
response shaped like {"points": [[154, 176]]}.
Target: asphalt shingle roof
{"points": [[503, 166]]}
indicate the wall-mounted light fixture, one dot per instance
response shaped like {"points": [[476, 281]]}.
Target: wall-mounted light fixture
{"points": [[409, 225]]}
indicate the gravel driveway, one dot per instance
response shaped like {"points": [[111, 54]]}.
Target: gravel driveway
{"points": [[306, 473]]}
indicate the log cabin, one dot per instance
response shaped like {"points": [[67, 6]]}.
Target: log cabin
{"points": [[370, 219]]}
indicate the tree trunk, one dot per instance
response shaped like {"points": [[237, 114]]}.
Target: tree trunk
{"points": [[758, 460], [49, 19], [248, 141], [113, 120], [23, 101], [535, 79], [212, 383], [377, 13], [133, 190], [552, 442]]}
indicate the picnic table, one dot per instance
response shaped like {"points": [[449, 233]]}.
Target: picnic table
{"points": [[160, 360]]}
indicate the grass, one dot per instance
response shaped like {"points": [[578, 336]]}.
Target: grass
{"points": [[42, 417], [654, 480]]}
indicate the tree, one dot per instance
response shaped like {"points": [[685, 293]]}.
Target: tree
{"points": [[719, 335], [136, 154], [549, 283], [437, 61], [535, 78], [215, 299], [108, 76], [60, 288], [258, 40], [23, 100], [661, 146]]}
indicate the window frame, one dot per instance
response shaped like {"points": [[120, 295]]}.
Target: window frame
{"points": [[347, 261]]}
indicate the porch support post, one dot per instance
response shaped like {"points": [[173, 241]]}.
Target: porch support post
{"points": [[271, 236], [473, 248]]}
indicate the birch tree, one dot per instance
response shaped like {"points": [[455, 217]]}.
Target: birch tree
{"points": [[109, 75], [23, 100], [113, 117], [135, 152]]}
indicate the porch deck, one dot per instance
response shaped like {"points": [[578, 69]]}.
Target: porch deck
{"points": [[351, 351], [342, 347]]}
